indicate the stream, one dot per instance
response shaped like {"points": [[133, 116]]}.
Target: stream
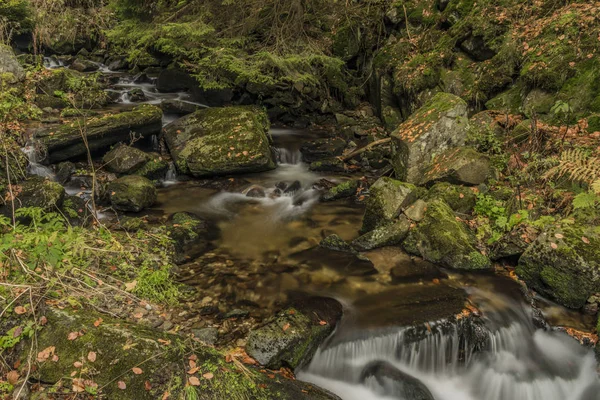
{"points": [[271, 224]]}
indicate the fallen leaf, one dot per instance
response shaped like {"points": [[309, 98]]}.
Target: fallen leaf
{"points": [[166, 395], [129, 286], [78, 385], [12, 377], [193, 371], [91, 356], [559, 236], [164, 342], [98, 322], [193, 357], [20, 310], [208, 375], [194, 381], [322, 322], [192, 364], [147, 385], [78, 364], [73, 335], [137, 371], [45, 354], [43, 320], [55, 358], [585, 240], [121, 385], [554, 246], [286, 327]]}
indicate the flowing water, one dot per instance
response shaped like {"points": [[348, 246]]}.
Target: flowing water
{"points": [[271, 224]]}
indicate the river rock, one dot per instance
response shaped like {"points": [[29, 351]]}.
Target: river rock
{"points": [[443, 240], [154, 169], [320, 149], [11, 70], [65, 142], [460, 198], [123, 159], [341, 191], [119, 346], [293, 336], [395, 383], [387, 199], [336, 243], [191, 235], [132, 193], [221, 141], [439, 125], [563, 264], [463, 166], [63, 172], [136, 95], [386, 235], [179, 107], [37, 192], [83, 65], [328, 165], [256, 192]]}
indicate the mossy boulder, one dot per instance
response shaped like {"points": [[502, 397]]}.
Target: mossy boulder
{"points": [[341, 191], [476, 47], [87, 90], [387, 235], [336, 243], [36, 192], [179, 107], [65, 142], [221, 141], [386, 200], [293, 336], [83, 65], [461, 199], [118, 347], [191, 235], [538, 103], [439, 125], [563, 264], [509, 101], [462, 166], [443, 240], [328, 165], [155, 169], [123, 159], [132, 193], [11, 71], [320, 149]]}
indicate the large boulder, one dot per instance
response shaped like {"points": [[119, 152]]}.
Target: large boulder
{"points": [[387, 199], [11, 71], [123, 159], [36, 192], [563, 264], [463, 166], [441, 239], [126, 361], [132, 193], [439, 125], [65, 142], [292, 338], [220, 141]]}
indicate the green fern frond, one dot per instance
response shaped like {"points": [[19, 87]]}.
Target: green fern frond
{"points": [[585, 200]]}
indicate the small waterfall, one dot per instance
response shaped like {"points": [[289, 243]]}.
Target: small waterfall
{"points": [[171, 175], [156, 147], [287, 156], [52, 63], [34, 167], [494, 361]]}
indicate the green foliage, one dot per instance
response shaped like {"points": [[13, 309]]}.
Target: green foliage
{"points": [[494, 211], [15, 335], [586, 200], [16, 17]]}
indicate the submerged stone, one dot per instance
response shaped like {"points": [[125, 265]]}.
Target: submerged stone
{"points": [[336, 243], [394, 382]]}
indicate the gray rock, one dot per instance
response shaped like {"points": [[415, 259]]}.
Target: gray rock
{"points": [[320, 149], [387, 199], [395, 383], [10, 65], [387, 235], [179, 107], [82, 65], [256, 192], [123, 159], [463, 166], [132, 193], [64, 170], [207, 335], [477, 48], [416, 211], [336, 243]]}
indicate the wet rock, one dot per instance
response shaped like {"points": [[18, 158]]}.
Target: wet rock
{"points": [[132, 193], [393, 382], [510, 245], [174, 80], [336, 243], [136, 95], [386, 235], [414, 270], [563, 264], [207, 335], [341, 191], [123, 159], [416, 211], [439, 125], [443, 240], [343, 264], [460, 199], [179, 107], [237, 313], [320, 149], [387, 199], [11, 70], [65, 142], [328, 165], [192, 235], [256, 192], [118, 64], [83, 65], [463, 166], [155, 169], [64, 170], [292, 338], [293, 188], [220, 141], [37, 192], [477, 48]]}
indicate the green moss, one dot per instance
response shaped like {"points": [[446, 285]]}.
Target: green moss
{"points": [[132, 193], [460, 198]]}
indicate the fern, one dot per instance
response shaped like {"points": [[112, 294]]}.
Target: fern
{"points": [[585, 200], [578, 166]]}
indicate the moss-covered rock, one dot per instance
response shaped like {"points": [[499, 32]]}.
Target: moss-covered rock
{"points": [[328, 165], [460, 198], [221, 141], [292, 338], [65, 142], [463, 166], [191, 235], [387, 199], [86, 90], [336, 243], [439, 125], [155, 169], [36, 192], [563, 264], [341, 191], [132, 193], [443, 240], [76, 211], [509, 101], [83, 65], [11, 71], [538, 103], [123, 159], [118, 347], [387, 235]]}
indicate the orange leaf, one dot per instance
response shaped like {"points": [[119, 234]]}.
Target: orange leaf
{"points": [[73, 335], [91, 356], [192, 364], [98, 322], [193, 371], [147, 385], [12, 377], [20, 310], [558, 236], [193, 357], [137, 371], [554, 246], [194, 381], [585, 240], [286, 327], [121, 385], [322, 322], [208, 375], [78, 364]]}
